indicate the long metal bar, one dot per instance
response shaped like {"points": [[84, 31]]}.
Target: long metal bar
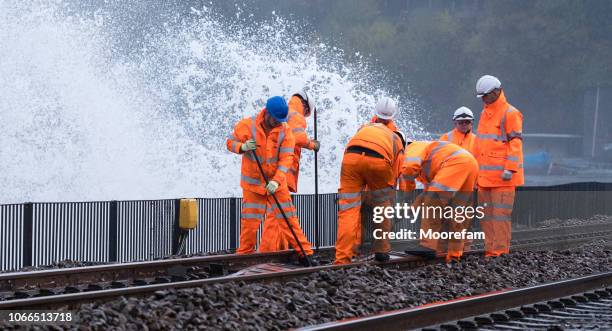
{"points": [[316, 175], [438, 313], [263, 174]]}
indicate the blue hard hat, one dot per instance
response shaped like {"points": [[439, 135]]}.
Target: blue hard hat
{"points": [[277, 107]]}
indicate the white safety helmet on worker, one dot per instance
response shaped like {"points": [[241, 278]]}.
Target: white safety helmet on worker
{"points": [[463, 113], [486, 84], [310, 101], [385, 109]]}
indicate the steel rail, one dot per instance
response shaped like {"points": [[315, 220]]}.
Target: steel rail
{"points": [[14, 281], [441, 312], [399, 260]]}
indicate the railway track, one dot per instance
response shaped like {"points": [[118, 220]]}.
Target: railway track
{"points": [[72, 286], [581, 301], [31, 283]]}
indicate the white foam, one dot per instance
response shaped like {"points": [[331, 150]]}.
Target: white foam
{"points": [[82, 118]]}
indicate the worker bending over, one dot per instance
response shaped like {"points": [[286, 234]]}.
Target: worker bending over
{"points": [[267, 137], [499, 151], [462, 134], [448, 173], [371, 159]]}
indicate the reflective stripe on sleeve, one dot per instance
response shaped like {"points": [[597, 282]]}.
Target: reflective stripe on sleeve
{"points": [[489, 136], [250, 180], [513, 158], [489, 167], [415, 159], [289, 214]]}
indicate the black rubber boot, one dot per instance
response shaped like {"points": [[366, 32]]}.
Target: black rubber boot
{"points": [[423, 252], [307, 261], [381, 257]]}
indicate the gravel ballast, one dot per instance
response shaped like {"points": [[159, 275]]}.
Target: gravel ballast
{"points": [[332, 295]]}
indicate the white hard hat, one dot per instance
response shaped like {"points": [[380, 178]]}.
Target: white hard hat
{"points": [[305, 97], [385, 109], [486, 84], [463, 113]]}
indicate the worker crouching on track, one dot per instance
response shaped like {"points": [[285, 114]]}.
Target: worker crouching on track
{"points": [[371, 159], [269, 138], [499, 151], [462, 134], [448, 173]]}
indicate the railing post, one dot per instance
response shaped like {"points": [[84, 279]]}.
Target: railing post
{"points": [[175, 229], [112, 231], [28, 232], [233, 230]]}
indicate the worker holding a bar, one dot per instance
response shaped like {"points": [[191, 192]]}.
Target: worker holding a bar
{"points": [[267, 136]]}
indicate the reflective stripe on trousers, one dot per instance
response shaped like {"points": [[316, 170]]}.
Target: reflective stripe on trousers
{"points": [[497, 221]]}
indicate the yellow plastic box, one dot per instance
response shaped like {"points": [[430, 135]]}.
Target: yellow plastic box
{"points": [[188, 214]]}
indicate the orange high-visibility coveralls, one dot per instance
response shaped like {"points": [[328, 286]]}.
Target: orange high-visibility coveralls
{"points": [[373, 167], [449, 174], [467, 142], [499, 147], [464, 140], [390, 124], [297, 122], [275, 152]]}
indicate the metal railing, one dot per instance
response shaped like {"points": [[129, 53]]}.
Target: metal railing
{"points": [[34, 234]]}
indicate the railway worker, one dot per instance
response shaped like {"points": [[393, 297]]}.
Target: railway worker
{"points": [[267, 137], [384, 112], [371, 158], [300, 107], [462, 134], [499, 151], [448, 173]]}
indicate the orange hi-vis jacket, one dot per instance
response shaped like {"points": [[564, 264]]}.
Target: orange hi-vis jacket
{"points": [[465, 140], [391, 124], [423, 160], [499, 144], [379, 138], [274, 151], [297, 122]]}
